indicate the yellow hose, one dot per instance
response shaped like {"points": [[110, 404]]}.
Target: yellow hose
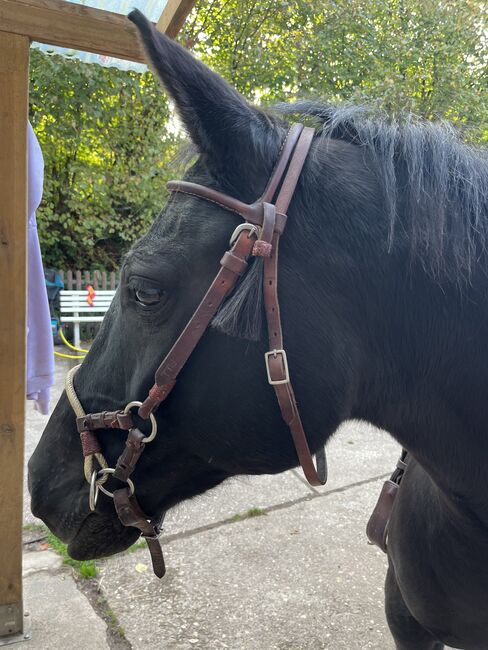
{"points": [[68, 356], [72, 347]]}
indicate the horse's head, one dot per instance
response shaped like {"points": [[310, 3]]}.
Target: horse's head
{"points": [[221, 418]]}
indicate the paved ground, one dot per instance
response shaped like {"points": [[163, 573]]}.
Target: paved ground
{"points": [[299, 577]]}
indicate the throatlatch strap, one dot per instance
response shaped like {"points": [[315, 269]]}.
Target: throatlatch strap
{"points": [[276, 359]]}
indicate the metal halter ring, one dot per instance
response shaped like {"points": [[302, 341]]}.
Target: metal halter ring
{"points": [[154, 424], [111, 470], [93, 498]]}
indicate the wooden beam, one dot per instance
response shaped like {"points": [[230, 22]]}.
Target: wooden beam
{"points": [[14, 84], [65, 24], [174, 16]]}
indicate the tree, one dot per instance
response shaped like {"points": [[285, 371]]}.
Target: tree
{"points": [[106, 145], [107, 135], [429, 57]]}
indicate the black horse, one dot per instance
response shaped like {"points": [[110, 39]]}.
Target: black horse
{"points": [[384, 298]]}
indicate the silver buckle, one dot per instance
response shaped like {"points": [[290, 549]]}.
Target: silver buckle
{"points": [[253, 230], [274, 354]]}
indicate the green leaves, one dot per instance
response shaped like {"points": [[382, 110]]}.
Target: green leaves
{"points": [[425, 56], [103, 133]]}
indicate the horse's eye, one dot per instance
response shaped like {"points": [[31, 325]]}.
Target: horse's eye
{"points": [[149, 296]]}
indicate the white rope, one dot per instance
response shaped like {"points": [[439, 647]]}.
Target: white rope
{"points": [[80, 412]]}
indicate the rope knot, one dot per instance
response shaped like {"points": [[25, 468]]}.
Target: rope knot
{"points": [[262, 248]]}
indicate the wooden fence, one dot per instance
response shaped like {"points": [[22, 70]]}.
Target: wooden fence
{"points": [[100, 280]]}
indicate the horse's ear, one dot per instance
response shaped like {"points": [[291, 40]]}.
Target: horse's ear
{"points": [[219, 120]]}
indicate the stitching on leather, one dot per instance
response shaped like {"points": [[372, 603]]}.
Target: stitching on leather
{"points": [[206, 198], [281, 151]]}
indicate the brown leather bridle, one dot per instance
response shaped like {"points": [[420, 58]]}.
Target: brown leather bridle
{"points": [[265, 221]]}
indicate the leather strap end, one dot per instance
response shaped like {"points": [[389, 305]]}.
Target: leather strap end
{"points": [[377, 527], [149, 405], [130, 514], [280, 223], [104, 420], [157, 557]]}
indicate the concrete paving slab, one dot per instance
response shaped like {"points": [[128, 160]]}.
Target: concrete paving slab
{"points": [[40, 561], [235, 496], [60, 615], [301, 578], [357, 452]]}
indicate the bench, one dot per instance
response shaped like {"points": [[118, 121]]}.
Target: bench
{"points": [[76, 310]]}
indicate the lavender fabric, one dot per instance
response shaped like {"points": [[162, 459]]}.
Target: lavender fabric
{"points": [[40, 351]]}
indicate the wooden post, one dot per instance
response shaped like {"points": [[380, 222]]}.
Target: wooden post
{"points": [[174, 15], [59, 23], [14, 78]]}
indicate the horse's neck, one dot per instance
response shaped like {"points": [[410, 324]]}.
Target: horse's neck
{"points": [[428, 386], [451, 445]]}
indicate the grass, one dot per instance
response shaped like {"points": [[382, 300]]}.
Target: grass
{"points": [[252, 512], [34, 527], [135, 547], [109, 616], [86, 568]]}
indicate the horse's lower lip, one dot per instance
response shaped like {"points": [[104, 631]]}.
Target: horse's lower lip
{"points": [[98, 537], [77, 553]]}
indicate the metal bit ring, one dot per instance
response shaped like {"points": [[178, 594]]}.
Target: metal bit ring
{"points": [[111, 470], [94, 487]]}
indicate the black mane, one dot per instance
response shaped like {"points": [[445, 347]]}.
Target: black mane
{"points": [[435, 186]]}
